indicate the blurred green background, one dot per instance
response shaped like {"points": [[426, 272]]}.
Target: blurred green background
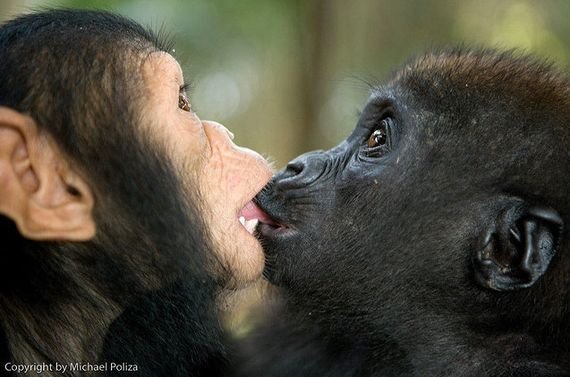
{"points": [[287, 76]]}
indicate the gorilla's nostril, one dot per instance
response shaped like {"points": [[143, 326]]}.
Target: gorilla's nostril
{"points": [[302, 171], [295, 167]]}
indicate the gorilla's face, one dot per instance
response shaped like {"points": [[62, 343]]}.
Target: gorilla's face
{"points": [[431, 176], [333, 206], [344, 212]]}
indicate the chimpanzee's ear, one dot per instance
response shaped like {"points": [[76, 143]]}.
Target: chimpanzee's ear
{"points": [[39, 190], [517, 248]]}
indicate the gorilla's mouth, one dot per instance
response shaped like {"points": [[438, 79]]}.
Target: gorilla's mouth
{"points": [[273, 224], [251, 215]]}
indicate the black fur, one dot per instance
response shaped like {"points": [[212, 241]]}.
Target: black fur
{"points": [[139, 291], [408, 259]]}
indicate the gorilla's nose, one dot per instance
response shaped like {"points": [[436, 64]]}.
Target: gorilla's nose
{"points": [[302, 171]]}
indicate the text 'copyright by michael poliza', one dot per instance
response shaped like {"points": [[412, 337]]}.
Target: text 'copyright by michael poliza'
{"points": [[40, 368]]}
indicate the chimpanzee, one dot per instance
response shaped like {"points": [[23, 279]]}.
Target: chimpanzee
{"points": [[121, 209], [431, 241]]}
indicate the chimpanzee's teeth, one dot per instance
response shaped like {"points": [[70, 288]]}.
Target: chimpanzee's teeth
{"points": [[249, 225]]}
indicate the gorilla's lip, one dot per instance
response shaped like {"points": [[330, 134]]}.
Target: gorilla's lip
{"points": [[273, 224], [251, 215]]}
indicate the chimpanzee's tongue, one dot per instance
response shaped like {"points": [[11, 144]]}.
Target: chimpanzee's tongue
{"points": [[252, 211]]}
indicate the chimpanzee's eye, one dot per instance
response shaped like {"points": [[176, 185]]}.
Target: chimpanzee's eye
{"points": [[183, 102]]}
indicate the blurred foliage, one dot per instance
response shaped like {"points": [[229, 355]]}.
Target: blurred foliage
{"points": [[289, 76]]}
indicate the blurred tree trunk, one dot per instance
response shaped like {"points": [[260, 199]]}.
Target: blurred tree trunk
{"points": [[7, 8], [313, 38]]}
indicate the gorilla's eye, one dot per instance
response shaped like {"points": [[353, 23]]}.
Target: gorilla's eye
{"points": [[379, 142], [380, 135]]}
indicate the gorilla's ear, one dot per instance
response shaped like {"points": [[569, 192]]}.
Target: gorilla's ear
{"points": [[39, 190], [517, 248]]}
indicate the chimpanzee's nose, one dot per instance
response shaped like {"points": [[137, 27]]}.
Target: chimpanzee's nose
{"points": [[302, 171]]}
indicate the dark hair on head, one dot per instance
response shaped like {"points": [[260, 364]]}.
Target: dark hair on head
{"points": [[67, 68], [78, 74]]}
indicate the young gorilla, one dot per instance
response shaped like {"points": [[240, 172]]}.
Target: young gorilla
{"points": [[430, 242], [106, 239]]}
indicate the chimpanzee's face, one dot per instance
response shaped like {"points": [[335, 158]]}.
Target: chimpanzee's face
{"points": [[228, 176]]}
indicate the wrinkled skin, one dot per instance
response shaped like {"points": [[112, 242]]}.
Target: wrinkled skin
{"points": [[119, 208], [228, 176]]}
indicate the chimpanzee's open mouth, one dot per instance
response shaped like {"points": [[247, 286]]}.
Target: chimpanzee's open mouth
{"points": [[251, 215]]}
